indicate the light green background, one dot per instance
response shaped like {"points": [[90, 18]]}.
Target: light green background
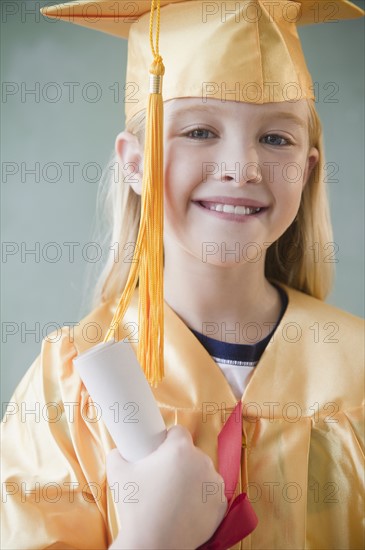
{"points": [[38, 129]]}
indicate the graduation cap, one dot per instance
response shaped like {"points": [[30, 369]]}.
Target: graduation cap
{"points": [[246, 50]]}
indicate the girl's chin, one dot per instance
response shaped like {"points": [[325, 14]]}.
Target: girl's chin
{"points": [[225, 254]]}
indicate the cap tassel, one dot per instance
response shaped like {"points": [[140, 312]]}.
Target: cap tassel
{"points": [[148, 265]]}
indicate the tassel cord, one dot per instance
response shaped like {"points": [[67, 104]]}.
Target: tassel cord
{"points": [[147, 269]]}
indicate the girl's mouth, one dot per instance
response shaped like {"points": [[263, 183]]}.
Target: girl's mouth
{"points": [[230, 211]]}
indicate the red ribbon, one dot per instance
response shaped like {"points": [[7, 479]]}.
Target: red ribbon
{"points": [[240, 519]]}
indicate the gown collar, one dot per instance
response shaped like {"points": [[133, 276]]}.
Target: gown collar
{"points": [[192, 379]]}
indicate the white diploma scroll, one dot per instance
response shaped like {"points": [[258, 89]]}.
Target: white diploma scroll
{"points": [[116, 383]]}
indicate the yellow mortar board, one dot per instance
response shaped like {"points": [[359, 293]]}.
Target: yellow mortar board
{"points": [[246, 50], [117, 17]]}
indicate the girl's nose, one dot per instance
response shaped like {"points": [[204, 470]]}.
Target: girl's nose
{"points": [[238, 174]]}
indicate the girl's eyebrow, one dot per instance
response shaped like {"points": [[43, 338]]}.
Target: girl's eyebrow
{"points": [[289, 116], [194, 108]]}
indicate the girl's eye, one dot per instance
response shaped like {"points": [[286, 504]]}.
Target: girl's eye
{"points": [[274, 139], [200, 133]]}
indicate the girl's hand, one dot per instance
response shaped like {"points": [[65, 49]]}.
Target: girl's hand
{"points": [[172, 499]]}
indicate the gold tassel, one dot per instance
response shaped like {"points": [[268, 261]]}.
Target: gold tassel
{"points": [[148, 267]]}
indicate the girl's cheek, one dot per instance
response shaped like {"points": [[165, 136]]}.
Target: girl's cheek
{"points": [[291, 171]]}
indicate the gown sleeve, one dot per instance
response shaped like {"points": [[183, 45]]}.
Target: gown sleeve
{"points": [[53, 458]]}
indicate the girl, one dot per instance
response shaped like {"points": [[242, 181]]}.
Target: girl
{"points": [[244, 203]]}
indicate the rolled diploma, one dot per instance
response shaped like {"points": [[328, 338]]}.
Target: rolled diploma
{"points": [[116, 383]]}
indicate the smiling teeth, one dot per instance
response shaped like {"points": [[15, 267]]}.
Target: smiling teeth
{"points": [[230, 209]]}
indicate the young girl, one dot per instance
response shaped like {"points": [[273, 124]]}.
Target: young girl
{"points": [[244, 318]]}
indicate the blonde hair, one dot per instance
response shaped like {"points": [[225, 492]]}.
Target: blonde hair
{"points": [[118, 216], [299, 257], [296, 259]]}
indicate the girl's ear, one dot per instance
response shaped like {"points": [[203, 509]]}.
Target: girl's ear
{"points": [[130, 159], [312, 161]]}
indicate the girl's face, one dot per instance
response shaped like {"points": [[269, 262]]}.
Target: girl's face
{"points": [[234, 175]]}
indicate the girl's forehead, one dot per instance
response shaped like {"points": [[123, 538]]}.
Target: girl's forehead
{"points": [[182, 107]]}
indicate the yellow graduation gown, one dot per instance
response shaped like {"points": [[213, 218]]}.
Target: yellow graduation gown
{"points": [[302, 442]]}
